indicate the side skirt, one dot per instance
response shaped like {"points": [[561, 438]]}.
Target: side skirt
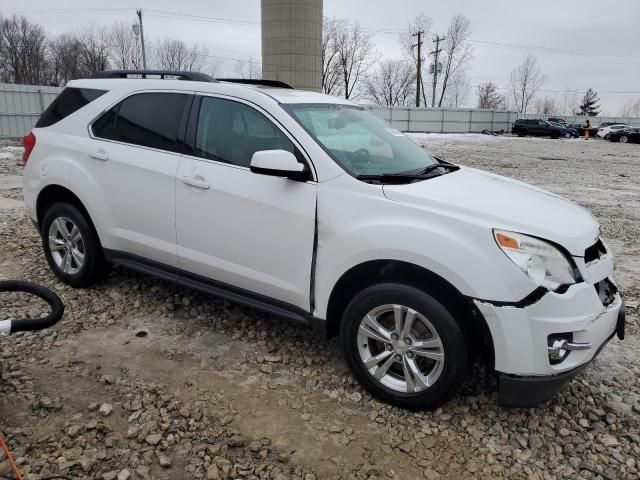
{"points": [[214, 288]]}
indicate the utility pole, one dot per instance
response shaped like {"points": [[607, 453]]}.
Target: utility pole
{"points": [[144, 54], [436, 54], [418, 34]]}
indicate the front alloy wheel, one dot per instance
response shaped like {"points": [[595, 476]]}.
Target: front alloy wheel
{"points": [[404, 346], [624, 139], [400, 348]]}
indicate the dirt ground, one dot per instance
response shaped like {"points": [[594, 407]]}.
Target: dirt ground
{"points": [[143, 379]]}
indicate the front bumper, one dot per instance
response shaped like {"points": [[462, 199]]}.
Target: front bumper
{"points": [[523, 391], [521, 335]]}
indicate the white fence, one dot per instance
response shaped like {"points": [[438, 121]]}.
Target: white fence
{"points": [[21, 105]]}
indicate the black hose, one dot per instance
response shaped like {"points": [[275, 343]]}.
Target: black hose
{"points": [[30, 324]]}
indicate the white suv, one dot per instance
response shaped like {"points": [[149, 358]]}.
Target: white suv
{"points": [[306, 206]]}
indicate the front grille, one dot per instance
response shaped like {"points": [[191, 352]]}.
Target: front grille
{"points": [[595, 252], [606, 291]]}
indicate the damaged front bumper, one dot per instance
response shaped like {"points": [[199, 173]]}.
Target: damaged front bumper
{"points": [[529, 369]]}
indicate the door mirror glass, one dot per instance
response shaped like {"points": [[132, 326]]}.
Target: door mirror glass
{"points": [[278, 163]]}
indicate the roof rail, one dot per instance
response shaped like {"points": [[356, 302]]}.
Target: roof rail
{"points": [[255, 81], [155, 74]]}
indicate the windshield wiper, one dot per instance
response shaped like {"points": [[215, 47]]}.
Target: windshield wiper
{"points": [[430, 169], [390, 178]]}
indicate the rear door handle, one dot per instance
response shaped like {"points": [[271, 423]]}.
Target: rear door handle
{"points": [[100, 155], [195, 182]]}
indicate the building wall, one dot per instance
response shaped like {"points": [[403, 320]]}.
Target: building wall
{"points": [[292, 42]]}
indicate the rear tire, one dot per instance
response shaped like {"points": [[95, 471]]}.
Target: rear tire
{"points": [[522, 133], [404, 346], [71, 246]]}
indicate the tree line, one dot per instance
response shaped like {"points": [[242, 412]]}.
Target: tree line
{"points": [[29, 56], [351, 65]]}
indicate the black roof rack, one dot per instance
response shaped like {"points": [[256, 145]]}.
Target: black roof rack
{"points": [[155, 74], [255, 81]]}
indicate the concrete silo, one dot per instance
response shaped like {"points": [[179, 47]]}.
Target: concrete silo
{"points": [[292, 42]]}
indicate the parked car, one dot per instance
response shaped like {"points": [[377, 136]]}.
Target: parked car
{"points": [[537, 127], [307, 207], [604, 132], [569, 131], [625, 135], [561, 121]]}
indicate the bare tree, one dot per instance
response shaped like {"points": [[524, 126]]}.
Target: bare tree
{"points": [[354, 55], [331, 78], [424, 23], [93, 44], [391, 83], [457, 52], [458, 90], [64, 59], [248, 69], [547, 106], [526, 80], [124, 52], [173, 54], [23, 48], [489, 97], [568, 103], [631, 108]]}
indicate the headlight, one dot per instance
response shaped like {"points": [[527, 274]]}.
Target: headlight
{"points": [[539, 260]]}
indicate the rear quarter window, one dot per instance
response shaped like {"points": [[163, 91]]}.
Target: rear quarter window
{"points": [[69, 101]]}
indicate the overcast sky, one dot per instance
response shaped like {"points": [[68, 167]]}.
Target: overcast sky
{"points": [[579, 43]]}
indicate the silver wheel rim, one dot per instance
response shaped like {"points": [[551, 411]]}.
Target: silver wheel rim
{"points": [[66, 245], [623, 139], [400, 348]]}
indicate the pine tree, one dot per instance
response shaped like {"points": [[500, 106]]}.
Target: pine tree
{"points": [[590, 105]]}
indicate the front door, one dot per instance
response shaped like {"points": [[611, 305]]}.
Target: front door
{"points": [[242, 229]]}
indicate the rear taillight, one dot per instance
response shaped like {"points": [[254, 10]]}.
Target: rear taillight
{"points": [[28, 142]]}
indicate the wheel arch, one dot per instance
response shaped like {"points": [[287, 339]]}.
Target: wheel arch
{"points": [[373, 272], [55, 193]]}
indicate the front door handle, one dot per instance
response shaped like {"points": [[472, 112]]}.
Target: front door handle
{"points": [[197, 182], [100, 154]]}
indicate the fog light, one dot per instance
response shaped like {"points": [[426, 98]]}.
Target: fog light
{"points": [[559, 345]]}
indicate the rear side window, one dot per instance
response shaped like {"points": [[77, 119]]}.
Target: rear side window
{"points": [[69, 101], [146, 119]]}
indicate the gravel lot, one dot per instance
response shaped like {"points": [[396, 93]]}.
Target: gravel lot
{"points": [[146, 380]]}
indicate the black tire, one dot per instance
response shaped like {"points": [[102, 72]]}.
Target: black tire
{"points": [[454, 368], [623, 139], [607, 136], [94, 267], [522, 133], [555, 135]]}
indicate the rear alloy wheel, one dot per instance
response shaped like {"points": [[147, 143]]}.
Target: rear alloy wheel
{"points": [[404, 346], [72, 247], [624, 139], [607, 136]]}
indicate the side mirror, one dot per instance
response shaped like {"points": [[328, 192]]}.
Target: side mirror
{"points": [[278, 163]]}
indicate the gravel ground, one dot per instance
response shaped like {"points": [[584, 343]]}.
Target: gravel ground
{"points": [[142, 379]]}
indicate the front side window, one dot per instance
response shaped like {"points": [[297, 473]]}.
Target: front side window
{"points": [[231, 132], [358, 142], [145, 119]]}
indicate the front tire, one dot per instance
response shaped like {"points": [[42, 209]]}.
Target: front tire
{"points": [[404, 346], [623, 139], [71, 246]]}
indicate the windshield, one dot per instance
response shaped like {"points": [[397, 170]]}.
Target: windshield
{"points": [[360, 143]]}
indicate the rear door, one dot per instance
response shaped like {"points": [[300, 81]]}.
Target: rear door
{"points": [[135, 157], [242, 229]]}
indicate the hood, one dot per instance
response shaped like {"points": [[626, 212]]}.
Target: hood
{"points": [[502, 203]]}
